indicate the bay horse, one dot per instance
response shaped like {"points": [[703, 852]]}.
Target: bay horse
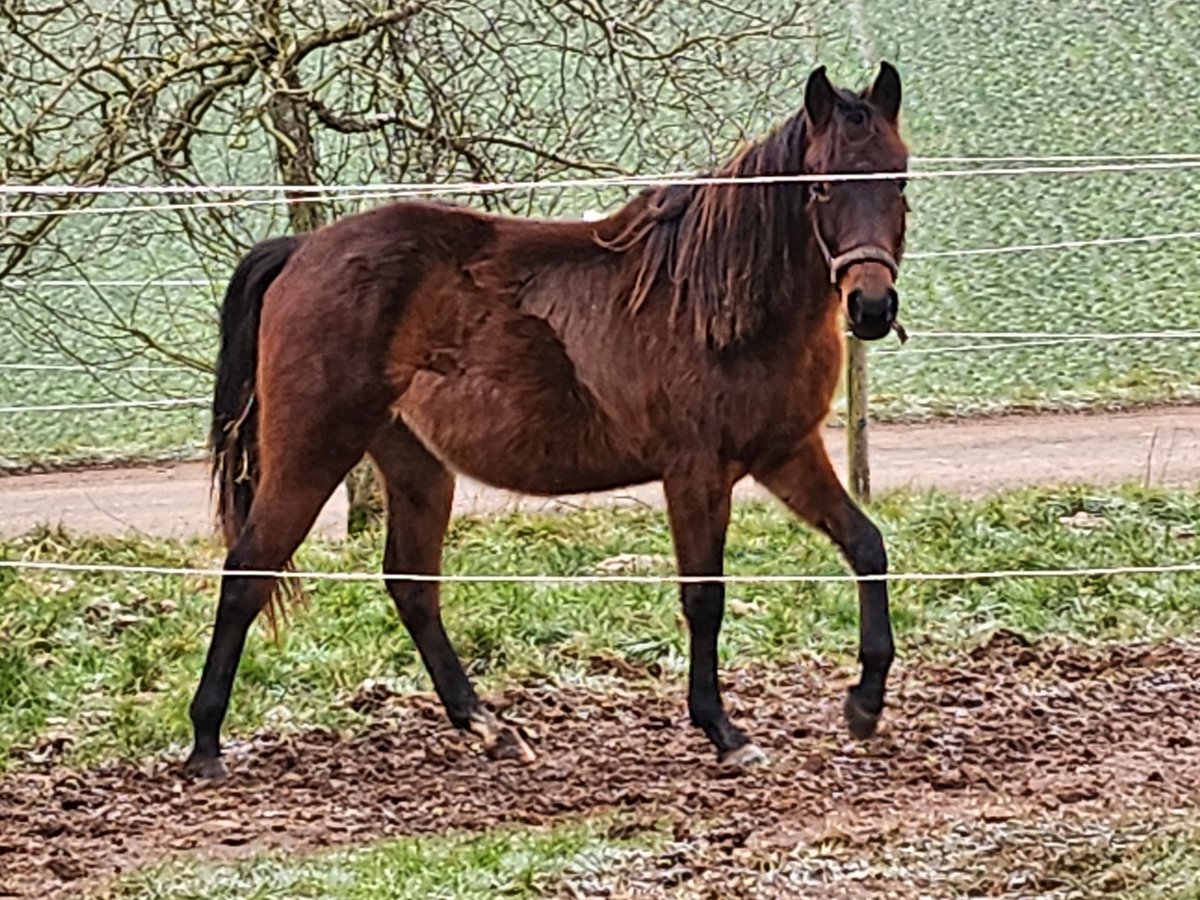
{"points": [[694, 336]]}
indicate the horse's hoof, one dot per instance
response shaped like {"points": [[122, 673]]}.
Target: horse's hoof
{"points": [[501, 741], [510, 745], [746, 756], [861, 722], [208, 768]]}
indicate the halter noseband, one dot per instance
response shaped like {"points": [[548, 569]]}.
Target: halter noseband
{"points": [[841, 262]]}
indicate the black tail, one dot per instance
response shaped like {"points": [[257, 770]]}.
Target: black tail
{"points": [[233, 440]]}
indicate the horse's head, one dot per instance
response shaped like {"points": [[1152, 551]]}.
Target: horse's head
{"points": [[858, 225]]}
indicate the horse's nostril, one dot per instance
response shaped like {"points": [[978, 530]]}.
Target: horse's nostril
{"points": [[854, 305], [893, 303]]}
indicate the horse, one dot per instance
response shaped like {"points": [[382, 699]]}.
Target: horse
{"points": [[693, 337]]}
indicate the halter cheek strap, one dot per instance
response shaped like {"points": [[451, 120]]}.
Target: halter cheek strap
{"points": [[865, 253]]}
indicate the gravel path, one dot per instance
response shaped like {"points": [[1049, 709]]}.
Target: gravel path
{"points": [[972, 457]]}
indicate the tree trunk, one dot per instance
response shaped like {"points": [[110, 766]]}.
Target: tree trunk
{"points": [[295, 152], [296, 157]]}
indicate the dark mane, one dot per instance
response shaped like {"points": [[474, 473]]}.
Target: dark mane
{"points": [[724, 248], [727, 250]]}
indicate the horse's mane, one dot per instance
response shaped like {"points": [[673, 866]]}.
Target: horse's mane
{"points": [[724, 249]]}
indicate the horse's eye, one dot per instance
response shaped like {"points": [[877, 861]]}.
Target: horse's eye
{"points": [[819, 191], [902, 184]]}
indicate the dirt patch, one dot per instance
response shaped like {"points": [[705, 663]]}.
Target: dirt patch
{"points": [[1006, 730], [1067, 853]]}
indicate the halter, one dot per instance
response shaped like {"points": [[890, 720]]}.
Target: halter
{"points": [[841, 262], [864, 253]]}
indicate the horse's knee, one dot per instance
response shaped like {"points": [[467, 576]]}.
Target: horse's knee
{"points": [[865, 549]]}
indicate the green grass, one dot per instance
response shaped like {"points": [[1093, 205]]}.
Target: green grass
{"points": [[106, 664], [1139, 859], [1023, 77], [1173, 863], [504, 863]]}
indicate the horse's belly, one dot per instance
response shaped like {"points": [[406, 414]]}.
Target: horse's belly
{"points": [[502, 435], [506, 407]]}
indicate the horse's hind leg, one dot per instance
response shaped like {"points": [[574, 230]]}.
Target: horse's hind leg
{"points": [[281, 516], [808, 485], [420, 492], [299, 476]]}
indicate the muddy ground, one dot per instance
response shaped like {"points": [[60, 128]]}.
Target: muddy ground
{"points": [[1007, 733]]}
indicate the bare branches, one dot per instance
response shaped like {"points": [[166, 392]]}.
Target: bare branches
{"points": [[344, 91], [351, 31]]}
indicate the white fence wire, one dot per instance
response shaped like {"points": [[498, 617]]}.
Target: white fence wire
{"points": [[542, 579], [1055, 245], [107, 404], [323, 193], [1082, 243], [95, 368], [1081, 165], [991, 340]]}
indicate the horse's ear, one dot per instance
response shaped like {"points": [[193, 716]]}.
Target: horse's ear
{"points": [[885, 91], [818, 99]]}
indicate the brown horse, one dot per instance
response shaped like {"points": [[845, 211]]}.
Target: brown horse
{"points": [[694, 336]]}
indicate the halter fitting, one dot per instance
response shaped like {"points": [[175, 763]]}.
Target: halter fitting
{"points": [[841, 262]]}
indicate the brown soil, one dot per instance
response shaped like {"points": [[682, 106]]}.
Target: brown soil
{"points": [[1007, 730]]}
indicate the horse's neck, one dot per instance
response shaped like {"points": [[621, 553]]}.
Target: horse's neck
{"points": [[803, 295]]}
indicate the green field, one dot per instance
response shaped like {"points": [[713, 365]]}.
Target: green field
{"points": [[1026, 77]]}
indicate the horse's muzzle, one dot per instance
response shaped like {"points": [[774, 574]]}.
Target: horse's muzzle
{"points": [[872, 317]]}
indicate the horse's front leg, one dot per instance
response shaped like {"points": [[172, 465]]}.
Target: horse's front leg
{"points": [[698, 507], [807, 483]]}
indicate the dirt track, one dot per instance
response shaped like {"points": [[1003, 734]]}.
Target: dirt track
{"points": [[1159, 446], [1007, 732]]}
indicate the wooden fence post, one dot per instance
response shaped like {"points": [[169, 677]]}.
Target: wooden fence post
{"points": [[858, 460]]}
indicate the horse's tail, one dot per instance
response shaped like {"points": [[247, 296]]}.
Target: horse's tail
{"points": [[233, 439]]}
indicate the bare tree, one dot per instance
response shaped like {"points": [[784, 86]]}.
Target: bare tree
{"points": [[347, 92]]}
